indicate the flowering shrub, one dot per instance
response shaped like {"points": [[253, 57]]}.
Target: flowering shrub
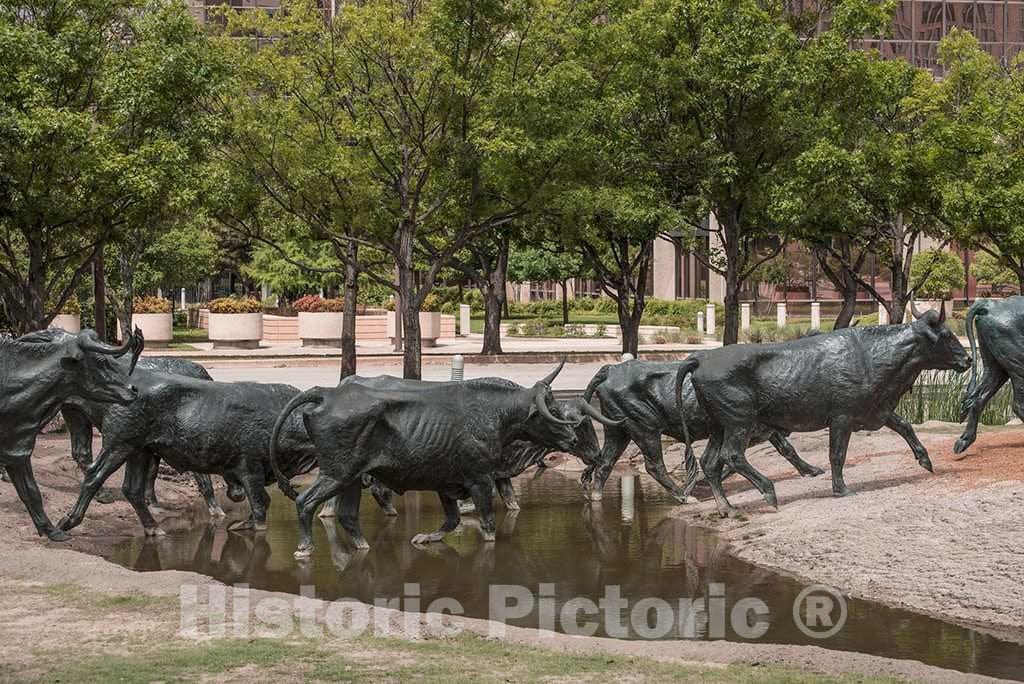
{"points": [[235, 305], [317, 304], [151, 305], [71, 307]]}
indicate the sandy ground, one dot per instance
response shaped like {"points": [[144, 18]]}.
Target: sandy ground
{"points": [[946, 544], [943, 544]]}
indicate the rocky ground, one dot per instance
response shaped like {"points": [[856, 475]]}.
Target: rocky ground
{"points": [[944, 544]]}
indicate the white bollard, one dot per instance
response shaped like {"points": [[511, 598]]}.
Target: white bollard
{"points": [[183, 307], [709, 319], [883, 315], [628, 357], [464, 320], [815, 316], [700, 323], [745, 316], [627, 485], [780, 314], [458, 367]]}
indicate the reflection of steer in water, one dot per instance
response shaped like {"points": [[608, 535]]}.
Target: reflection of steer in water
{"points": [[845, 380], [441, 437], [642, 394], [1001, 339], [520, 452]]}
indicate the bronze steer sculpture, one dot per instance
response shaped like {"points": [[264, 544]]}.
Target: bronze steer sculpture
{"points": [[80, 415], [520, 451], [39, 376], [844, 380], [443, 437], [202, 426], [642, 396], [1000, 325]]}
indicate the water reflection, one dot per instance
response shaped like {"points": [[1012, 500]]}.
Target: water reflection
{"points": [[628, 540]]}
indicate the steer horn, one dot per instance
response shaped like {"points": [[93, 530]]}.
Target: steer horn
{"points": [[93, 345], [550, 378], [588, 409], [917, 313], [138, 344], [540, 399]]}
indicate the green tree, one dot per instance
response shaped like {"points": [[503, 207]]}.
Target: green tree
{"points": [[990, 269], [936, 273], [544, 263]]}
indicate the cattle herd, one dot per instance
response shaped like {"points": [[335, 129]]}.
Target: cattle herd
{"points": [[465, 440]]}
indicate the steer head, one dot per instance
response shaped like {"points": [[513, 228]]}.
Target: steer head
{"points": [[90, 370], [564, 425], [940, 348]]}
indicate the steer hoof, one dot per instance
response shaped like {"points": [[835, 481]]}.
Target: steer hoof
{"points": [[513, 506], [241, 525], [104, 496], [596, 494], [236, 493], [65, 523], [813, 471], [390, 510], [771, 499], [488, 536], [216, 511], [154, 532], [304, 551], [926, 463], [427, 538], [962, 444], [57, 535], [841, 491]]}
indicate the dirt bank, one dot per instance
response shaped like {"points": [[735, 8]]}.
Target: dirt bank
{"points": [[946, 544], [55, 593]]}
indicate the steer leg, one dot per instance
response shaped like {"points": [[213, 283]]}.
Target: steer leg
{"points": [[104, 466], [838, 441], [483, 496], [80, 430], [24, 482], [733, 451], [384, 497], [508, 495], [783, 446], [712, 465], [451, 521], [348, 514], [205, 485], [991, 381], [654, 462], [136, 475], [306, 505], [902, 428], [259, 500], [615, 442]]}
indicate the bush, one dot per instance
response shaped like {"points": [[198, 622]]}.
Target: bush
{"points": [[945, 273], [151, 305], [317, 304], [71, 307], [235, 305]]}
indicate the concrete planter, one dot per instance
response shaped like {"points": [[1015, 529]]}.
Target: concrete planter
{"points": [[320, 329], [71, 323], [236, 330], [430, 327], [157, 328]]}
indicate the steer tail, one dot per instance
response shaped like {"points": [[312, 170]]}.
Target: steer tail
{"points": [[685, 368], [979, 308], [598, 378], [312, 396]]}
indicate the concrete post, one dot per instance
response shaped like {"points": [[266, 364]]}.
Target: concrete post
{"points": [[700, 323], [464, 320], [458, 367], [815, 316], [745, 316], [709, 319], [183, 306], [627, 357], [883, 315], [780, 314]]}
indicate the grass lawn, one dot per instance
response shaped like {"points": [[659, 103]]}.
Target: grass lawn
{"points": [[186, 336]]}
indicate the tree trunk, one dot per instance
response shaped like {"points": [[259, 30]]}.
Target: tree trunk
{"points": [[630, 328], [495, 298], [730, 229], [348, 320], [409, 302], [99, 296], [565, 302], [494, 301], [848, 308]]}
